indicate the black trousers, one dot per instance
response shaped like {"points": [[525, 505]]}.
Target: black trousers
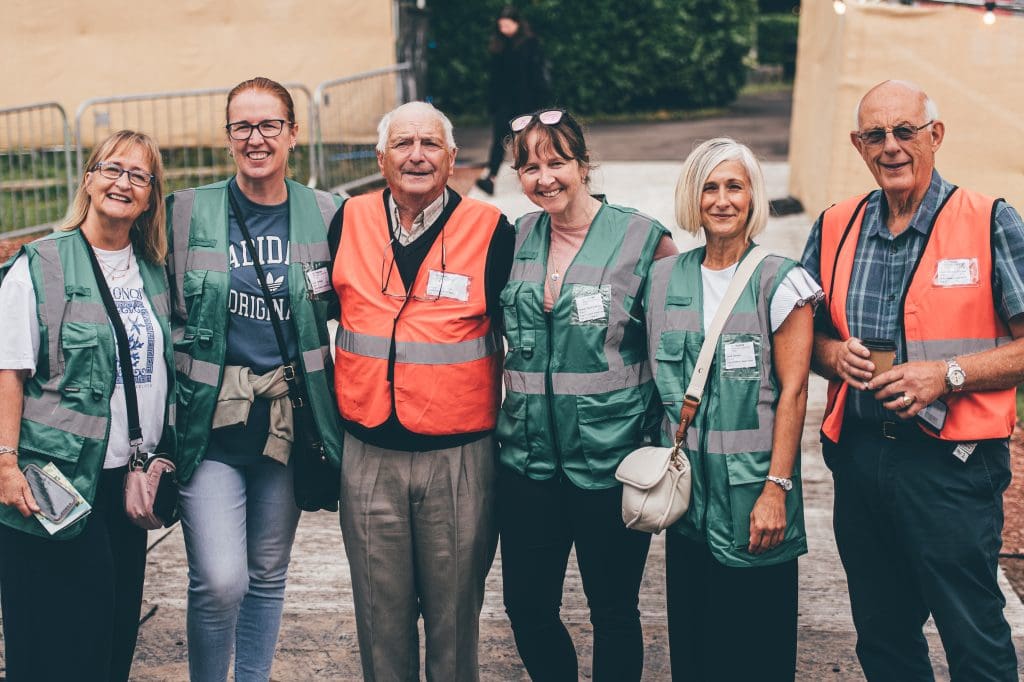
{"points": [[539, 522], [499, 131], [919, 532], [728, 624], [71, 607]]}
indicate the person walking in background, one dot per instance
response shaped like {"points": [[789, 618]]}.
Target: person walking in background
{"points": [[518, 82], [238, 511], [71, 602], [919, 453], [578, 400], [418, 272], [731, 561]]}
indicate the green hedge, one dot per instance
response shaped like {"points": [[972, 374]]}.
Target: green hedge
{"points": [[605, 56], [776, 41]]}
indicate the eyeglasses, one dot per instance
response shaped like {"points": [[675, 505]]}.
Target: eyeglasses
{"points": [[112, 171], [242, 130], [386, 270], [903, 132], [549, 117]]}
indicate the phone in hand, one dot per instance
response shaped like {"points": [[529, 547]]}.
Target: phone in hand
{"points": [[54, 500]]}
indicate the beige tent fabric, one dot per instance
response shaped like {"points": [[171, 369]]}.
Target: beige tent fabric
{"points": [[973, 72], [72, 51]]}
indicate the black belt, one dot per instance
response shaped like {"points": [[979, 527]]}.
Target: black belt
{"points": [[889, 430]]}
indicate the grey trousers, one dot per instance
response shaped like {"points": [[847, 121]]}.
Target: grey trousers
{"points": [[420, 535]]}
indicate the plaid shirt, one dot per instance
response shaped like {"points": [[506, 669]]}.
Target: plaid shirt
{"points": [[883, 264]]}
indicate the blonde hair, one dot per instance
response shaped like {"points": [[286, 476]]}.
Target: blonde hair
{"points": [[149, 233], [701, 162]]}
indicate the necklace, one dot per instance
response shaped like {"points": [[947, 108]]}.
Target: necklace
{"points": [[117, 271]]}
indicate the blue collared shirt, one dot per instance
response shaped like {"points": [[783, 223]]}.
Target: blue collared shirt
{"points": [[883, 264]]}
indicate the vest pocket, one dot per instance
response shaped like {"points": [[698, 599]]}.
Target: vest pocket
{"points": [[508, 298], [514, 446], [49, 443], [747, 472], [610, 425], [80, 344]]}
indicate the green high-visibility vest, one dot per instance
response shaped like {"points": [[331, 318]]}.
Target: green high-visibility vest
{"points": [[729, 443], [200, 282], [578, 396], [66, 411]]}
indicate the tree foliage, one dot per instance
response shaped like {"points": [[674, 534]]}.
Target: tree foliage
{"points": [[604, 56]]}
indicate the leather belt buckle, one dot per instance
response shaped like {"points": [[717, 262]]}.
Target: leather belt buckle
{"points": [[890, 430]]}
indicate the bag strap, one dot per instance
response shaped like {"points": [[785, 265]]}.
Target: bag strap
{"points": [[295, 394], [695, 390], [124, 356]]}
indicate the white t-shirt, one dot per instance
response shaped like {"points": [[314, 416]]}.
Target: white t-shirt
{"points": [[796, 290], [19, 345]]}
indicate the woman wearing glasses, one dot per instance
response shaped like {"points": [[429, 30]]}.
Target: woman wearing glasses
{"points": [[578, 399], [71, 600], [237, 507], [731, 561]]}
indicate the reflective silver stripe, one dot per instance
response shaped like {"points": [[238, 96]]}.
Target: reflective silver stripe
{"points": [[568, 383], [580, 273], [197, 370], [181, 223], [48, 410], [526, 271], [678, 320], [947, 348], [419, 353], [309, 253], [204, 259], [363, 344], [172, 414], [743, 323], [51, 311], [161, 303], [314, 360], [83, 311], [327, 209], [526, 225]]}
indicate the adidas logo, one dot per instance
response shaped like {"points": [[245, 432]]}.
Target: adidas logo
{"points": [[273, 284]]}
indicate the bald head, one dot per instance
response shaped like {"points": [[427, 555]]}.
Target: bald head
{"points": [[419, 110], [903, 90]]}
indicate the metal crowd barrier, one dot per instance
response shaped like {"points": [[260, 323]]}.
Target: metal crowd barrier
{"points": [[189, 127], [348, 110], [36, 169]]}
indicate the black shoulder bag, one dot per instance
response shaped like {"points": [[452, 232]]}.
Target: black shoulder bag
{"points": [[317, 483], [150, 486]]}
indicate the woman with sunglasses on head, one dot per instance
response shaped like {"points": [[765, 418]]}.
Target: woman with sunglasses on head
{"points": [[731, 561], [71, 600], [578, 400], [237, 506]]}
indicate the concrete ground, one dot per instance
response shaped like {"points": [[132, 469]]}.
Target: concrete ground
{"points": [[318, 640]]}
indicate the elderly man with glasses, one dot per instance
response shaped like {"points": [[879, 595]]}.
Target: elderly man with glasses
{"points": [[418, 356], [919, 452]]}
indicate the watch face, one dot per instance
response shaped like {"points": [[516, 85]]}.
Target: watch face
{"points": [[956, 377]]}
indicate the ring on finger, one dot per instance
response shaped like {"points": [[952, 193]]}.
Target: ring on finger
{"points": [[907, 401]]}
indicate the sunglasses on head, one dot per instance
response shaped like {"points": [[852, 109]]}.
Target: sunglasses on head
{"points": [[549, 117]]}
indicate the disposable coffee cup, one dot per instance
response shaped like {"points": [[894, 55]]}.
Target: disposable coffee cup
{"points": [[883, 354]]}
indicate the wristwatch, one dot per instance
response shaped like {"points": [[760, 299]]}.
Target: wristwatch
{"points": [[955, 376], [784, 483]]}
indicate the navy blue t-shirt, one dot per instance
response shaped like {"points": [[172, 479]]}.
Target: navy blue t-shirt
{"points": [[250, 333]]}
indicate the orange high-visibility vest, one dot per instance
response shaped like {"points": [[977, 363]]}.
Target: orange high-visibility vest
{"points": [[445, 375], [942, 317]]}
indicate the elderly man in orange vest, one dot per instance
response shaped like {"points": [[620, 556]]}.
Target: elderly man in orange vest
{"points": [[919, 452], [418, 273]]}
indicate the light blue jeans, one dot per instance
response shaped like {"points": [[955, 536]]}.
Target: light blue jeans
{"points": [[239, 524]]}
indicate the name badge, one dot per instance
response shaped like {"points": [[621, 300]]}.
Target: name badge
{"points": [[318, 281], [956, 272], [740, 355], [448, 285], [589, 307]]}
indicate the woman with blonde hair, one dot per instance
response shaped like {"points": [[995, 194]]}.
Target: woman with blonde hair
{"points": [[731, 561], [71, 600]]}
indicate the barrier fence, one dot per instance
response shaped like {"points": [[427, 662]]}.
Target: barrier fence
{"points": [[36, 178], [41, 156]]}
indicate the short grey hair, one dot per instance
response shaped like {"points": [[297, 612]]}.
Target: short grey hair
{"points": [[701, 162], [384, 127], [931, 109]]}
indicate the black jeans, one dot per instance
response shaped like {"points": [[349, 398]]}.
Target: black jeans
{"points": [[499, 131], [919, 532], [71, 607], [727, 623], [539, 522]]}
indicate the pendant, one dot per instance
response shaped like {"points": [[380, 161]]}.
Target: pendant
{"points": [[555, 276]]}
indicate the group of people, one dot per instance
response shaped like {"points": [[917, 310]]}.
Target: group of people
{"points": [[485, 382]]}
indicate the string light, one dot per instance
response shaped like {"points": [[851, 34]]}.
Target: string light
{"points": [[840, 7]]}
